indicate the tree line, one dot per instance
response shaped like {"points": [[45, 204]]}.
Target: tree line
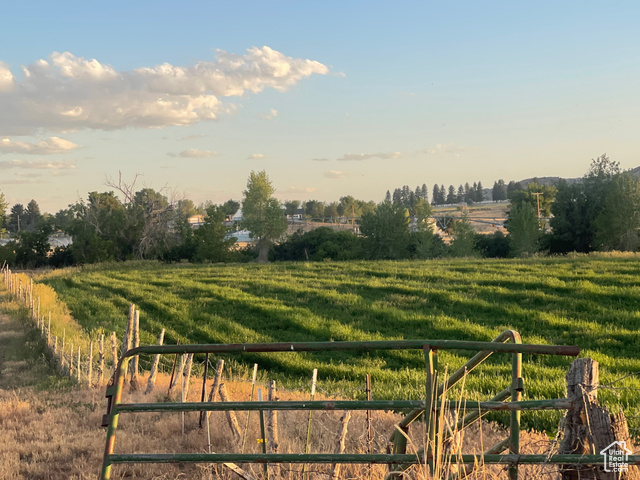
{"points": [[599, 212]]}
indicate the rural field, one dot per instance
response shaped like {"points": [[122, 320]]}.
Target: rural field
{"points": [[589, 301]]}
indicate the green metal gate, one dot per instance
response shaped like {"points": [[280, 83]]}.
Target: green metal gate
{"points": [[398, 460]]}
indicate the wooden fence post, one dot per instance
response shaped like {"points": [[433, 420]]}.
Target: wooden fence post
{"points": [[135, 343], [100, 359], [214, 388], [90, 366], [178, 373], [272, 430], [78, 369], [71, 361], [114, 353], [231, 416], [344, 422], [154, 367], [590, 428], [186, 381]]}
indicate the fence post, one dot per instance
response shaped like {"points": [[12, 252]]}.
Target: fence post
{"points": [[90, 366], [114, 353], [344, 422], [154, 367], [231, 415], [178, 373], [78, 366], [101, 359], [272, 429], [134, 344], [590, 428], [214, 389]]}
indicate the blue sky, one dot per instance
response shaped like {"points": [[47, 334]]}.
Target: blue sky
{"points": [[330, 98]]}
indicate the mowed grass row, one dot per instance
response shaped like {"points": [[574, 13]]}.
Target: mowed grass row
{"points": [[593, 302]]}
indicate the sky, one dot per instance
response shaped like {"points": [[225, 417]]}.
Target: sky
{"points": [[329, 98]]}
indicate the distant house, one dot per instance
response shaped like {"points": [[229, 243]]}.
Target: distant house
{"points": [[196, 221], [243, 238], [298, 215]]}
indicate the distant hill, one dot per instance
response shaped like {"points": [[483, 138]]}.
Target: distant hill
{"points": [[556, 180], [487, 192]]}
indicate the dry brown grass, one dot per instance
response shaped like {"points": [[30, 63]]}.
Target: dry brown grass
{"points": [[56, 435], [49, 427]]}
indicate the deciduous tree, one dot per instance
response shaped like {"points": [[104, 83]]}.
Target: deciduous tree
{"points": [[262, 213]]}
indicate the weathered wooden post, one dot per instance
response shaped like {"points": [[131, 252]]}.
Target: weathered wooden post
{"points": [[186, 381], [314, 381], [90, 365], [49, 331], [78, 369], [214, 388], [100, 359], [272, 429], [178, 373], [62, 350], [254, 377], [231, 416], [135, 343], [344, 422], [154, 367], [114, 353], [590, 428], [71, 361]]}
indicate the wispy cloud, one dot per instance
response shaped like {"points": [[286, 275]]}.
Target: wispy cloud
{"points": [[194, 153], [39, 164], [50, 146], [256, 156], [335, 174], [368, 156], [273, 113], [444, 148], [319, 159], [67, 92]]}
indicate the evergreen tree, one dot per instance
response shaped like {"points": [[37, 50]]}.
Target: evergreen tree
{"points": [[451, 195], [512, 187], [397, 197], [479, 192], [435, 196], [460, 195], [425, 193], [499, 191], [387, 197]]}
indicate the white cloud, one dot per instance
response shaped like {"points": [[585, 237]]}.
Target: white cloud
{"points": [[273, 113], [367, 156], [444, 148], [39, 164], [335, 174], [49, 146], [319, 159], [194, 153], [69, 92], [6, 78], [256, 156]]}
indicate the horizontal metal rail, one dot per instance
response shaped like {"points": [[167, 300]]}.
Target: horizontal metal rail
{"points": [[568, 350], [429, 347], [566, 459], [555, 404]]}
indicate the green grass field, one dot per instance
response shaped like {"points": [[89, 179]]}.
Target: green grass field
{"points": [[592, 302]]}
